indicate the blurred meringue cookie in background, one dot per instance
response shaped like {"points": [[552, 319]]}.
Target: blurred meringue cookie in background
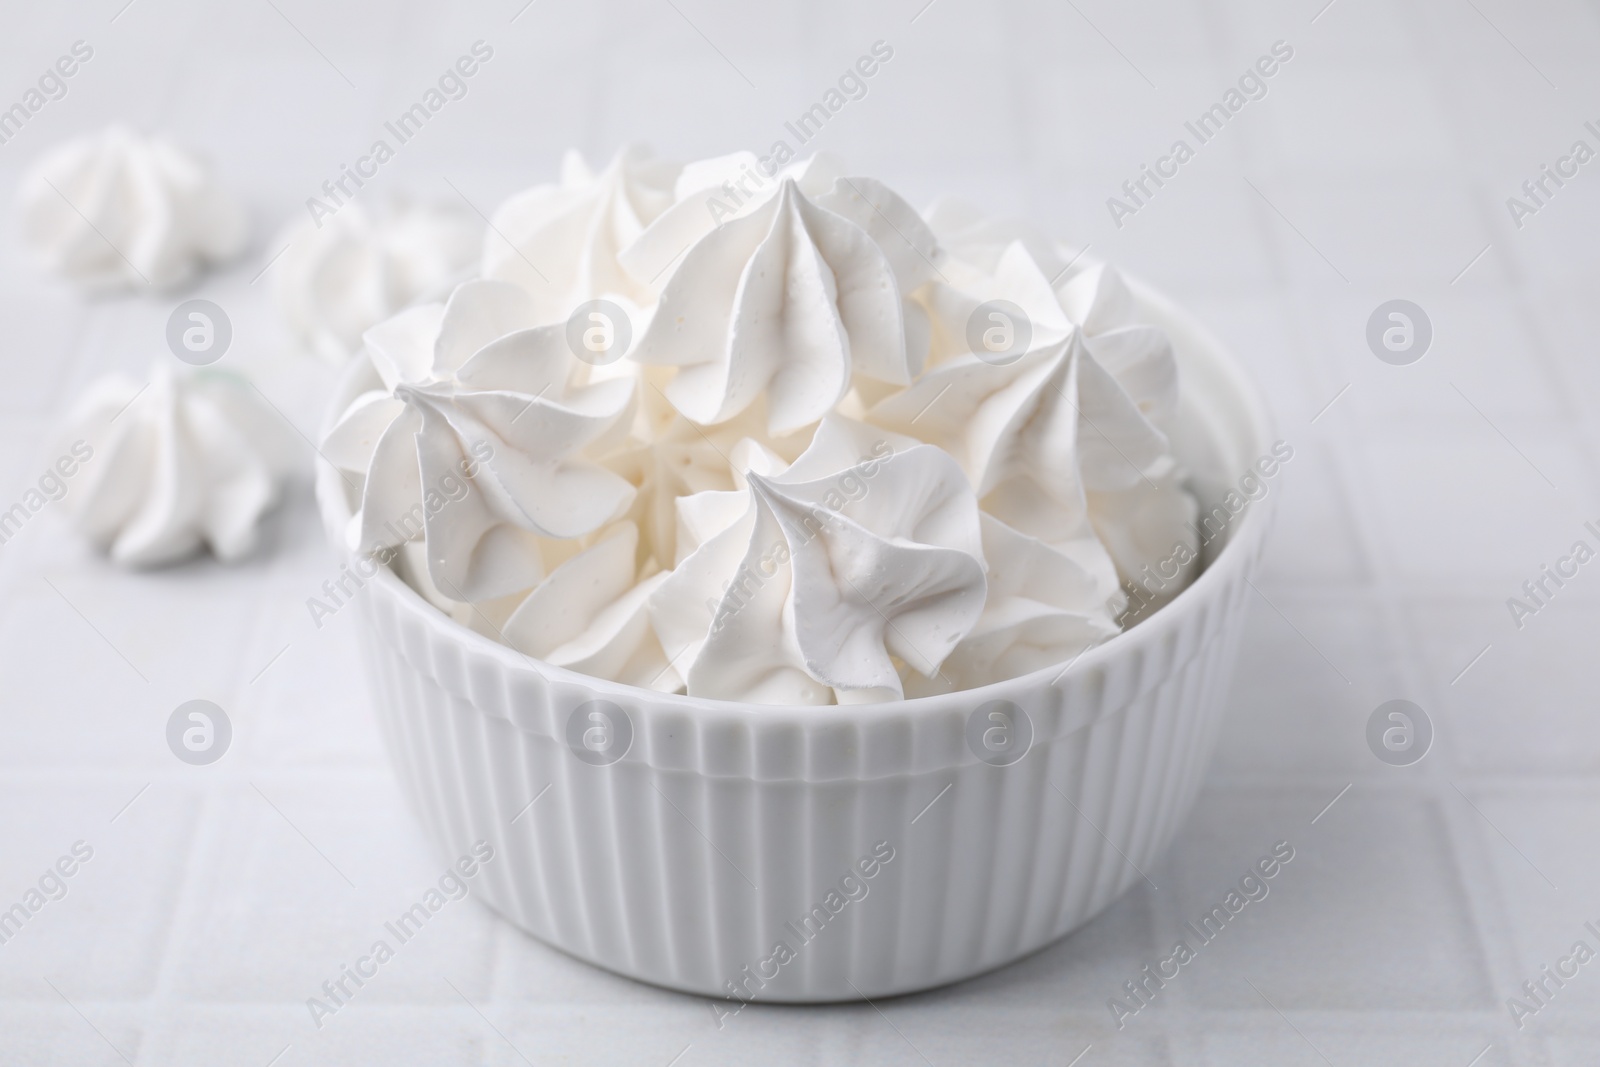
{"points": [[191, 460], [344, 274], [118, 210]]}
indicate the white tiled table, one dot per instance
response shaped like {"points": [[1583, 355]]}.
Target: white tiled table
{"points": [[1376, 167]]}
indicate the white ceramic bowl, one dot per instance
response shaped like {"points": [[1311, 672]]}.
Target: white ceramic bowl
{"points": [[687, 861]]}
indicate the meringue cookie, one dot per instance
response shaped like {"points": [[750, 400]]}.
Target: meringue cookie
{"points": [[1148, 525], [590, 615], [481, 441], [1043, 608], [853, 557], [791, 298], [560, 242], [1054, 419], [972, 237], [339, 278], [182, 463], [705, 194], [1138, 355], [117, 210], [1052, 441], [1151, 531], [962, 287]]}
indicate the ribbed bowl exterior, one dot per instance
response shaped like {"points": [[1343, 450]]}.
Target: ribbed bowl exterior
{"points": [[726, 830], [681, 863]]}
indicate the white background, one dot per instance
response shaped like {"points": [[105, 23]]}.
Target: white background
{"points": [[1377, 167]]}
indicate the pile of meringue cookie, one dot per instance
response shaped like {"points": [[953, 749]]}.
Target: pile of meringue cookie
{"points": [[192, 458], [771, 438]]}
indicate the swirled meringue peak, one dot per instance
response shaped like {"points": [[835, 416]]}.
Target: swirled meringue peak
{"points": [[791, 298], [850, 454], [116, 210], [480, 441], [1137, 354], [185, 462], [342, 276], [865, 551], [1055, 443], [1044, 607], [561, 242]]}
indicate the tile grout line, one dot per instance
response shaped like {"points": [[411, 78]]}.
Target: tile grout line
{"points": [[1350, 466], [181, 922], [1491, 918]]}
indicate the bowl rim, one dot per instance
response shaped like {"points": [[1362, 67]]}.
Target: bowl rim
{"points": [[1237, 553]]}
